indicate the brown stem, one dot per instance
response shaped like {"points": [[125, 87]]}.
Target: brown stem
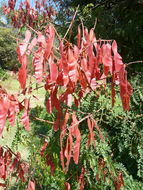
{"points": [[57, 34], [95, 24], [39, 119], [86, 79], [77, 123], [38, 87], [130, 63], [103, 40], [6, 147], [138, 116], [71, 23], [98, 129], [31, 28]]}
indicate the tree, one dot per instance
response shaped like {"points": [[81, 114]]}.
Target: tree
{"points": [[120, 20], [8, 57], [71, 73]]}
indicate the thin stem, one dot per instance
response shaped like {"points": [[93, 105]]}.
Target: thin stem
{"points": [[103, 40], [57, 34], [39, 119], [130, 63], [71, 23], [21, 40], [77, 122], [38, 87], [78, 111], [95, 24], [32, 29], [6, 147], [138, 116], [86, 79]]}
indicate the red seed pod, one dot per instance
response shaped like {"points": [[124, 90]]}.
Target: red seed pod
{"points": [[43, 148], [31, 185]]}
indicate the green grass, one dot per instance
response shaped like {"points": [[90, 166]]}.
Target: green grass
{"points": [[11, 85]]}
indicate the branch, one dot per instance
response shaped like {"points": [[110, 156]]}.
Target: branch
{"points": [[76, 123], [7, 148], [71, 23], [38, 87], [102, 40], [82, 32], [95, 24], [31, 28], [42, 120], [130, 63], [138, 116], [86, 79], [57, 34], [80, 121]]}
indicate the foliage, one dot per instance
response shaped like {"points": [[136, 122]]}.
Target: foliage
{"points": [[35, 15], [115, 20], [8, 57], [120, 151], [3, 74]]}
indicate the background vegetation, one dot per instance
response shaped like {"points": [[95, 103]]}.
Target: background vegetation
{"points": [[8, 57]]}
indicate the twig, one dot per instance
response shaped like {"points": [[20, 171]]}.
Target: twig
{"points": [[77, 123], [95, 24], [18, 39], [138, 116], [21, 40], [86, 79], [130, 63], [57, 34], [96, 41], [98, 129], [38, 87], [71, 23], [32, 29], [82, 32], [102, 40], [39, 119], [78, 111], [101, 116], [6, 147]]}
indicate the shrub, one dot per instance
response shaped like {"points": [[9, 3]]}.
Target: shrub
{"points": [[8, 57], [121, 150]]}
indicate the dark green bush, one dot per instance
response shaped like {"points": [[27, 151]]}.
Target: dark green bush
{"points": [[8, 57]]}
